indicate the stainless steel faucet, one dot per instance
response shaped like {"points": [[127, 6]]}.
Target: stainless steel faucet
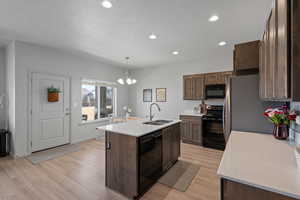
{"points": [[152, 104]]}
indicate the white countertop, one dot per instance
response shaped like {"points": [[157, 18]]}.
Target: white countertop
{"points": [[191, 113], [261, 161], [135, 128]]}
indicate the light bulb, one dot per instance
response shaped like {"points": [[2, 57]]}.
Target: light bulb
{"points": [[133, 81], [223, 43], [106, 4], [214, 18], [121, 81], [128, 81]]}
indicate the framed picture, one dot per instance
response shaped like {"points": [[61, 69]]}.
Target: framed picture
{"points": [[147, 95], [161, 94]]}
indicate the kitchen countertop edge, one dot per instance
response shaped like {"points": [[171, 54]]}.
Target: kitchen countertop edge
{"points": [[238, 178], [138, 122]]}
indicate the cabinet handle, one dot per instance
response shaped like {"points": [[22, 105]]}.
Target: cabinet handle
{"points": [[108, 145]]}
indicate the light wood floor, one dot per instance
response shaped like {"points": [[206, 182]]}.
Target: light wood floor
{"points": [[80, 175]]}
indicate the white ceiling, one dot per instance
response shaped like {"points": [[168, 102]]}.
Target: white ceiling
{"points": [[113, 34]]}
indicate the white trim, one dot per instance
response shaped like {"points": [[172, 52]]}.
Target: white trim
{"points": [[29, 107]]}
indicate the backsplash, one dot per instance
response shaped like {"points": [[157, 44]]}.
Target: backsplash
{"points": [[295, 127], [296, 106]]}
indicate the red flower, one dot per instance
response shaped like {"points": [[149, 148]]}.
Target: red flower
{"points": [[292, 117], [279, 112]]}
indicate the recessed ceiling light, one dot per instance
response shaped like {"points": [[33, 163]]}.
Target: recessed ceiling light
{"points": [[106, 4], [214, 18], [152, 37], [175, 52], [223, 43]]}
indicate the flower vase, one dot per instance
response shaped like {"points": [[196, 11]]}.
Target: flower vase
{"points": [[281, 131]]}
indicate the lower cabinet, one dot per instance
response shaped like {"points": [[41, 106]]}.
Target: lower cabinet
{"points": [[236, 191], [124, 162], [191, 129], [171, 146]]}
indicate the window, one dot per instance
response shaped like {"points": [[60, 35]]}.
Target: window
{"points": [[98, 100]]}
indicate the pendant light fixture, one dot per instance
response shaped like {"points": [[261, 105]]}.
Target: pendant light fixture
{"points": [[127, 79]]}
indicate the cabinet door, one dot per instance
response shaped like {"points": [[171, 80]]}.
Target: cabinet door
{"points": [[185, 130], [262, 66], [175, 142], [211, 79], [246, 56], [121, 172], [187, 88], [167, 148], [198, 87], [196, 130], [281, 88], [270, 53]]}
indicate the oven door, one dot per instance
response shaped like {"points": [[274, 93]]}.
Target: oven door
{"points": [[213, 135], [150, 160], [215, 91]]}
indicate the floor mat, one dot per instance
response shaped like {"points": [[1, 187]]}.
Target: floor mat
{"points": [[180, 175]]}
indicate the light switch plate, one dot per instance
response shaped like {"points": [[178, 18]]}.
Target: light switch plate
{"points": [[298, 120]]}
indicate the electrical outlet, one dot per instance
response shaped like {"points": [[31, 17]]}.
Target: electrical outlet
{"points": [[298, 120]]}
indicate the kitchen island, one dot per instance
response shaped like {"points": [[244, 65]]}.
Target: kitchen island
{"points": [[138, 153], [258, 166]]}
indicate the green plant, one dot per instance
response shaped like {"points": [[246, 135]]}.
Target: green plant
{"points": [[280, 115], [53, 90]]}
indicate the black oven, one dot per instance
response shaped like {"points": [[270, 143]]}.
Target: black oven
{"points": [[215, 91], [213, 132], [150, 160]]}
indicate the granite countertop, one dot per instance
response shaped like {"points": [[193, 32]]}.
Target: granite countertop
{"points": [[261, 161], [135, 128]]}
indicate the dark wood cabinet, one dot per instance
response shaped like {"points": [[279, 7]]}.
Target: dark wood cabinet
{"points": [[198, 91], [171, 146], [211, 79], [231, 190], [176, 138], [223, 76], [194, 85], [191, 129], [246, 58], [122, 166], [188, 88], [278, 53], [123, 162]]}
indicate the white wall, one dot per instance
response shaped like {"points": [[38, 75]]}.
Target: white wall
{"points": [[10, 92], [170, 77], [44, 59], [2, 85]]}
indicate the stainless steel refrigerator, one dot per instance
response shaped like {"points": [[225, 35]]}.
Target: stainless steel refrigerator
{"points": [[243, 109]]}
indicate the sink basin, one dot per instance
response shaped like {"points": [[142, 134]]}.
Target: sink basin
{"points": [[158, 122], [164, 121]]}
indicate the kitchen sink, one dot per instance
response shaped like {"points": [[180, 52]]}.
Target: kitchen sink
{"points": [[158, 122]]}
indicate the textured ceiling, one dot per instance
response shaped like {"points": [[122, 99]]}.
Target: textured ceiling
{"points": [[112, 34]]}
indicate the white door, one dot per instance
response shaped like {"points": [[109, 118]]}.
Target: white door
{"points": [[50, 120]]}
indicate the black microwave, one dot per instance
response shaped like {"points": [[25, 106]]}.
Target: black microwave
{"points": [[215, 91]]}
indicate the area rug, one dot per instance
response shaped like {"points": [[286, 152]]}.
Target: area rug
{"points": [[50, 154], [180, 175]]}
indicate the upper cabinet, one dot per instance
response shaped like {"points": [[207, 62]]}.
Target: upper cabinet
{"points": [[194, 85], [246, 58], [279, 51]]}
